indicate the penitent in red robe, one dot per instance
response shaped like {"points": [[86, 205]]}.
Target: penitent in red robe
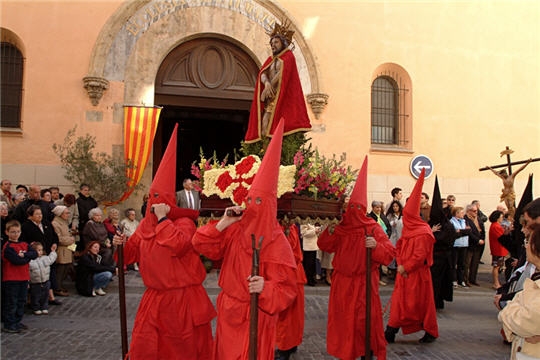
{"points": [[290, 103], [413, 304], [276, 266], [290, 327], [173, 319], [347, 304]]}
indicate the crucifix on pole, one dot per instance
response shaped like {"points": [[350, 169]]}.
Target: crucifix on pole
{"points": [[508, 195]]}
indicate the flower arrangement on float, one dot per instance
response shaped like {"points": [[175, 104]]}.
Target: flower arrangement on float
{"points": [[312, 175]]}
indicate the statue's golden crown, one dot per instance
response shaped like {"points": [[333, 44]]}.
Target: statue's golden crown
{"points": [[282, 30]]}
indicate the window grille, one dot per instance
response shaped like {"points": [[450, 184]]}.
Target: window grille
{"points": [[387, 112], [11, 77]]}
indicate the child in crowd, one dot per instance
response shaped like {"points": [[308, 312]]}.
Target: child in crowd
{"points": [[40, 270], [15, 275]]}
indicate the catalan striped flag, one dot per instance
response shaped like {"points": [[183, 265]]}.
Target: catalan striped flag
{"points": [[140, 124]]}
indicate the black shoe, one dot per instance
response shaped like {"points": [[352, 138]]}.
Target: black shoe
{"points": [[10, 330], [55, 302], [427, 338], [390, 334], [22, 326]]}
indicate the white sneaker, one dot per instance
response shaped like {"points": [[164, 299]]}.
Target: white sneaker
{"points": [[455, 284], [45, 312], [100, 292], [93, 292], [135, 267], [38, 312]]}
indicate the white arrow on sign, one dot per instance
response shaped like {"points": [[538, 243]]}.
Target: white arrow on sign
{"points": [[418, 166]]}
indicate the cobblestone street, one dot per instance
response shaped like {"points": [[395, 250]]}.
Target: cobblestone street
{"points": [[89, 328]]}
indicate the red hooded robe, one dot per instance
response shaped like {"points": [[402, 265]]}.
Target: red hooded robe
{"points": [[413, 304], [347, 305], [276, 265], [174, 315], [290, 327]]}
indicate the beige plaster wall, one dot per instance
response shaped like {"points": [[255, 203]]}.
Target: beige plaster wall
{"points": [[473, 65]]}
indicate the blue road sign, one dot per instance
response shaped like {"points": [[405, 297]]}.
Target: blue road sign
{"points": [[420, 162]]}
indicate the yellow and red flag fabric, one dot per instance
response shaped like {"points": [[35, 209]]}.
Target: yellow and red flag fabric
{"points": [[140, 124]]}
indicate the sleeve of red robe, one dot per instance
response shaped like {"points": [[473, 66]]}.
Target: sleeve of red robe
{"points": [[422, 254]]}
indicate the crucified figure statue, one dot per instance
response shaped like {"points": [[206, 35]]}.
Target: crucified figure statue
{"points": [[508, 195]]}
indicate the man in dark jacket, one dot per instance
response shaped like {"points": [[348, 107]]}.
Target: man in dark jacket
{"points": [[34, 198], [85, 203], [476, 244]]}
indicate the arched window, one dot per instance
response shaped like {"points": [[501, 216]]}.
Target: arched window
{"points": [[384, 111], [11, 79], [391, 120]]}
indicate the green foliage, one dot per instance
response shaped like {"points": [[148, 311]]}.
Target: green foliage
{"points": [[104, 173], [291, 144]]}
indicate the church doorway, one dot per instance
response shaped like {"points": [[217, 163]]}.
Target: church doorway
{"points": [[205, 85]]}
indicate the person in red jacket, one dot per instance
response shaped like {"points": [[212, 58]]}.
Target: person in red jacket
{"points": [[173, 319], [350, 240], [413, 305], [16, 258], [290, 326], [230, 239]]}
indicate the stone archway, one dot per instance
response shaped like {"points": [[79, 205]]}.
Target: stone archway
{"points": [[137, 37]]}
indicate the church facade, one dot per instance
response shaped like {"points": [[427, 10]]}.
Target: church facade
{"points": [[454, 81]]}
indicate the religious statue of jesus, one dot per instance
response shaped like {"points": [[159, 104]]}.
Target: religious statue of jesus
{"points": [[508, 195]]}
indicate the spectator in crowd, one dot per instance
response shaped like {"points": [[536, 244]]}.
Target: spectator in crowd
{"points": [[188, 197], [5, 193], [36, 228], [17, 199], [397, 195], [130, 224], [445, 234], [93, 276], [290, 326], [425, 208], [394, 216], [95, 230], [55, 193], [355, 234], [174, 303], [521, 316], [414, 259], [34, 198], [21, 189], [310, 234], [46, 196], [230, 239], [69, 201], [85, 203], [40, 270], [16, 257], [460, 245], [498, 252], [144, 205], [64, 262], [450, 203], [327, 268], [5, 217], [377, 215], [112, 223], [477, 238]]}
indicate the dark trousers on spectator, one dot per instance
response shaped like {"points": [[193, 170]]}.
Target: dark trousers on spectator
{"points": [[15, 293], [310, 266], [39, 295]]}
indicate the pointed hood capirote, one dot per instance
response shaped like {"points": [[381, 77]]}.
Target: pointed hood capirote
{"points": [[162, 190], [260, 215], [355, 213], [413, 224], [436, 215]]}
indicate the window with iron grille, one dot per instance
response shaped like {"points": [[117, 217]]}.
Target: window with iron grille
{"points": [[389, 112], [11, 77]]}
